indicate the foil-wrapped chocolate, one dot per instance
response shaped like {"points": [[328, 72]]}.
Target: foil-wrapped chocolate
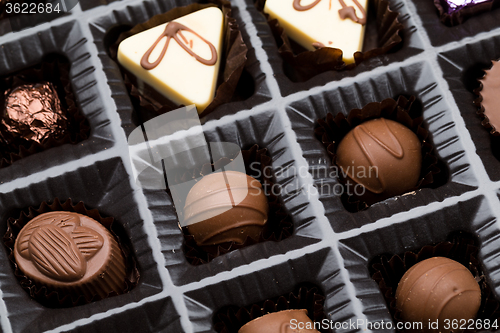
{"points": [[33, 112], [454, 5]]}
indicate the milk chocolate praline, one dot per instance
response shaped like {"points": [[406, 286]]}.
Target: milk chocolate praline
{"points": [[490, 100], [225, 207], [71, 254], [282, 321], [381, 155], [437, 289]]}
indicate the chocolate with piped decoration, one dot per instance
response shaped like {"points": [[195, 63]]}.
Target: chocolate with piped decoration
{"points": [[71, 254], [383, 156], [33, 112], [437, 289], [490, 100], [224, 207], [282, 321]]}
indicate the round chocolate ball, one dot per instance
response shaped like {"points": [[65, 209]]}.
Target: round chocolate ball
{"points": [[437, 289], [225, 207], [72, 254], [283, 321], [33, 112], [383, 156]]}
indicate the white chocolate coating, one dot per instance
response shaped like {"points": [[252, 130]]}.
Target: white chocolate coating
{"points": [[322, 24], [179, 76]]}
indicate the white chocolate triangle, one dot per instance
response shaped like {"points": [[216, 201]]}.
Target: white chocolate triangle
{"points": [[179, 76], [322, 24]]}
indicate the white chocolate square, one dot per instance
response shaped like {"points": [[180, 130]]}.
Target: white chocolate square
{"points": [[179, 76], [321, 24]]}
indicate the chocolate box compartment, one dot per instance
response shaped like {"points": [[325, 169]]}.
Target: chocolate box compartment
{"points": [[473, 216], [66, 39], [416, 79], [320, 268], [264, 129], [441, 34], [462, 67], [89, 4], [104, 186], [410, 47], [105, 30], [156, 316]]}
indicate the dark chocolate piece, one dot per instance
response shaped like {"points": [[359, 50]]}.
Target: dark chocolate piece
{"points": [[490, 94], [33, 112], [437, 289], [383, 156], [225, 207], [72, 254], [288, 321]]}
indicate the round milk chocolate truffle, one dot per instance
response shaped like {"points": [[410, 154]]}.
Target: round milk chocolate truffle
{"points": [[72, 254], [287, 321], [437, 289], [226, 206], [383, 156], [33, 112]]}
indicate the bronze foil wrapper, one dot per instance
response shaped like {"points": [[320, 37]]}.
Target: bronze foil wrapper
{"points": [[61, 299], [230, 319], [332, 129], [308, 64], [54, 70], [279, 224], [234, 57], [460, 246], [478, 103], [33, 112], [460, 16]]}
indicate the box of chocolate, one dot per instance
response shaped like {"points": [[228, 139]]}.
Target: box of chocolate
{"points": [[247, 166]]}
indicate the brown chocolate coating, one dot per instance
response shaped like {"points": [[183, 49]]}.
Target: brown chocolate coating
{"points": [[225, 207], [281, 322], [382, 155], [490, 95], [72, 254], [437, 289], [33, 112]]}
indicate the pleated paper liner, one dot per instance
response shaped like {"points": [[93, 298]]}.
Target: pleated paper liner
{"points": [[55, 299], [460, 246], [278, 226], [54, 69], [452, 17], [478, 103], [234, 56], [332, 129], [382, 26], [305, 296]]}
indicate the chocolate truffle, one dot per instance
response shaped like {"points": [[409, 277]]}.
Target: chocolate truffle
{"points": [[289, 321], [33, 112], [383, 156], [225, 207], [437, 289], [490, 96], [72, 254]]}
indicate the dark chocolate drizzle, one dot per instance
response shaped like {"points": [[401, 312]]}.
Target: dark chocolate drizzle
{"points": [[345, 12], [300, 8], [350, 12], [174, 30]]}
